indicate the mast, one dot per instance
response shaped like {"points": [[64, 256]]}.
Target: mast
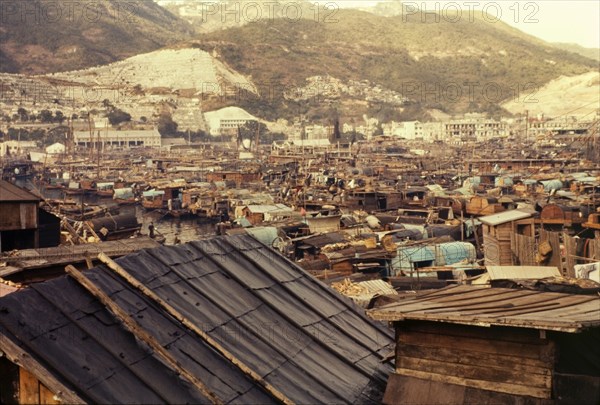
{"points": [[257, 137]]}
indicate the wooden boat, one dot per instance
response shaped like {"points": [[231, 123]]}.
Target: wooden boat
{"points": [[153, 199], [54, 184], [124, 196], [105, 189], [115, 226], [74, 188], [76, 213], [168, 198]]}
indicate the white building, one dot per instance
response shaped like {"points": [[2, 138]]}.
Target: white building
{"points": [[432, 131], [127, 138], [14, 148], [56, 149], [367, 129], [227, 120], [101, 122], [407, 129], [474, 129]]}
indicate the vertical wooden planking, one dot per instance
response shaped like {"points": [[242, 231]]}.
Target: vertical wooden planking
{"points": [[47, 396], [554, 239], [29, 388], [570, 252]]}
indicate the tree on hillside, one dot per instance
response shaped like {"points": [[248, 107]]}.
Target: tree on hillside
{"points": [[166, 126], [23, 115], [117, 116], [250, 129], [45, 116], [59, 117]]}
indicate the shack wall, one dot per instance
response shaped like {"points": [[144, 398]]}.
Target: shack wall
{"points": [[497, 245], [18, 386], [491, 363], [18, 215]]}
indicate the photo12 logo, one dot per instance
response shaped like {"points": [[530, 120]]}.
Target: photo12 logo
{"points": [[454, 12], [252, 12], [453, 92], [90, 11]]}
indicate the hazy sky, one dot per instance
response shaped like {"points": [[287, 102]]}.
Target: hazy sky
{"points": [[576, 21]]}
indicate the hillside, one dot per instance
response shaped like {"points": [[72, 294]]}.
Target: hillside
{"points": [[453, 67], [173, 81], [592, 53], [41, 36], [172, 69], [565, 96]]}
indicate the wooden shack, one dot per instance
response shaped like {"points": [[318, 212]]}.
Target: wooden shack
{"points": [[237, 177], [499, 240], [593, 222], [566, 215], [258, 213], [467, 345], [18, 218], [365, 200], [483, 205], [458, 204]]}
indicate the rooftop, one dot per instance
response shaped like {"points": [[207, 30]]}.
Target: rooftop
{"points": [[280, 325], [484, 306], [11, 193]]}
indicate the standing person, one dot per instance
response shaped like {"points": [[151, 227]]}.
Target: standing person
{"points": [[151, 230]]}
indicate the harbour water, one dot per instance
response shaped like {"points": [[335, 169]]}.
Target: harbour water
{"points": [[175, 230]]}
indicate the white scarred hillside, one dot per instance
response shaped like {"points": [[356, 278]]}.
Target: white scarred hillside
{"points": [[574, 95], [176, 69]]}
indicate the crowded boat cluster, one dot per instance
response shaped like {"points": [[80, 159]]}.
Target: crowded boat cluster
{"points": [[476, 254], [369, 209]]}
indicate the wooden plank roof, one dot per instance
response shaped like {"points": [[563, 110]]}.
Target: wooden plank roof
{"points": [[11, 193], [484, 306], [296, 333]]}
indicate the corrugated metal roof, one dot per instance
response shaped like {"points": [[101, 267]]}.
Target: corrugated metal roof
{"points": [[521, 272], [11, 193], [504, 217], [484, 306], [303, 338]]}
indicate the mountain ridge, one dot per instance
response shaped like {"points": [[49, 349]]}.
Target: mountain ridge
{"points": [[45, 36], [403, 56], [466, 66]]}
